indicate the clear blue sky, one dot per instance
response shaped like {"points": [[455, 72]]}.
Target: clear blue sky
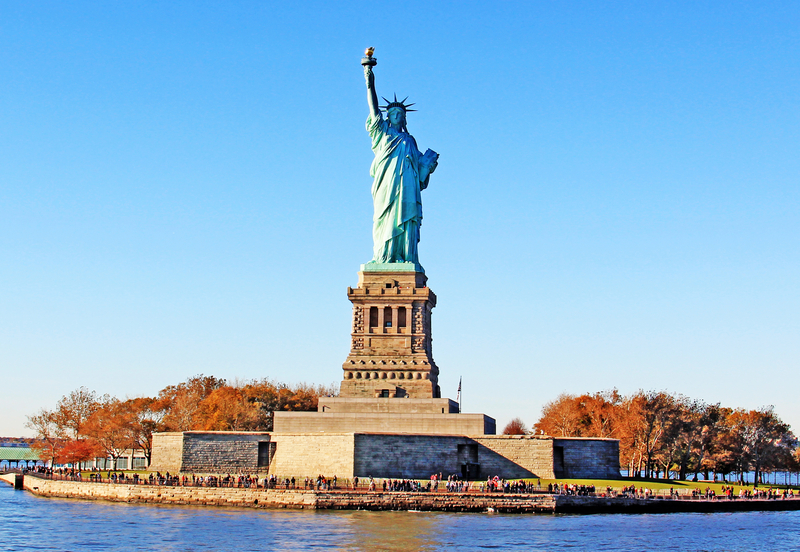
{"points": [[184, 189]]}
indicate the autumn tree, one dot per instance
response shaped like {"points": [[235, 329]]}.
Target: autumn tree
{"points": [[74, 409], [110, 427], [562, 417], [661, 432], [183, 401], [61, 427], [600, 412], [272, 396], [76, 451], [680, 444], [50, 437], [145, 416], [766, 441], [515, 427], [228, 409], [794, 464], [657, 425]]}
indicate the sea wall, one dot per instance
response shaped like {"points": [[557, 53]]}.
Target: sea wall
{"points": [[13, 479], [361, 500], [289, 499]]}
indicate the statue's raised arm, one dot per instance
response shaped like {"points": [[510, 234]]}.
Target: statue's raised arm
{"points": [[372, 97], [400, 172]]}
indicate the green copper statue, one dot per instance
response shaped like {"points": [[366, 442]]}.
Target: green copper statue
{"points": [[400, 171]]}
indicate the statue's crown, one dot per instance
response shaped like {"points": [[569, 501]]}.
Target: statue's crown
{"points": [[401, 104]]}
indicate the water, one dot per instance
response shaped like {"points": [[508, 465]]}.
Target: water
{"points": [[31, 523]]}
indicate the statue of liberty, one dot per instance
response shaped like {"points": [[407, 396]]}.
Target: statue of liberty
{"points": [[400, 173]]}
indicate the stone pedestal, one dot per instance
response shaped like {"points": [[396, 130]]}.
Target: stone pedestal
{"points": [[390, 351], [390, 382]]}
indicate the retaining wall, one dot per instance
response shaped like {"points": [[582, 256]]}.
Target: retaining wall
{"points": [[289, 499], [13, 479], [347, 500]]}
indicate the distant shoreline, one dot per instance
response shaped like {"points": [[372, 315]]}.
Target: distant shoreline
{"points": [[541, 503]]}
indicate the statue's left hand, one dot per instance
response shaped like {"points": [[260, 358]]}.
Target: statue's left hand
{"points": [[430, 160], [432, 167]]}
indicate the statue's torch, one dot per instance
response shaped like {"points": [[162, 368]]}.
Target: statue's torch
{"points": [[368, 60]]}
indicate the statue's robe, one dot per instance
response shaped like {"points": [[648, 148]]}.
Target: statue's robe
{"points": [[395, 193]]}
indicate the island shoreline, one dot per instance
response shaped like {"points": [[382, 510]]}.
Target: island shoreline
{"points": [[308, 499]]}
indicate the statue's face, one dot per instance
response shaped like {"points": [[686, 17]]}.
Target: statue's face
{"points": [[397, 117]]}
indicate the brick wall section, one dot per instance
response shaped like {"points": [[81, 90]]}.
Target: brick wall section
{"points": [[406, 456], [167, 452], [419, 456], [383, 422], [13, 479], [394, 405], [233, 452], [207, 452], [589, 458], [303, 454], [515, 456]]}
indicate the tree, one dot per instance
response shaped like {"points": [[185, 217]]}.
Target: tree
{"points": [[109, 427], [600, 411], [658, 425], [183, 401], [679, 447], [227, 409], [726, 451], [765, 440], [515, 427], [74, 409], [145, 417], [79, 450], [272, 396], [562, 417], [50, 435]]}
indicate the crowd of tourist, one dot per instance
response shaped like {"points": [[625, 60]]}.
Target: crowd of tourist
{"points": [[571, 490], [437, 483]]}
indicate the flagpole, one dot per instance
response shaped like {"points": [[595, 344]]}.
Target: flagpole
{"points": [[458, 397]]}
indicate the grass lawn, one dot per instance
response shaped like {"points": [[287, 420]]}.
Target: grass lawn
{"points": [[657, 485]]}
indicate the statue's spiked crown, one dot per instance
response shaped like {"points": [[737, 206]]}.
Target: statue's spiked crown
{"points": [[400, 104]]}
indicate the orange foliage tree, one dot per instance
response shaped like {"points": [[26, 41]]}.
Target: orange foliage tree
{"points": [[109, 426], [661, 432], [145, 416], [515, 427], [50, 437]]}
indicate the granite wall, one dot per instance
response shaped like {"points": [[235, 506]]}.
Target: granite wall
{"points": [[393, 455], [304, 454], [423, 423], [587, 458], [211, 452]]}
